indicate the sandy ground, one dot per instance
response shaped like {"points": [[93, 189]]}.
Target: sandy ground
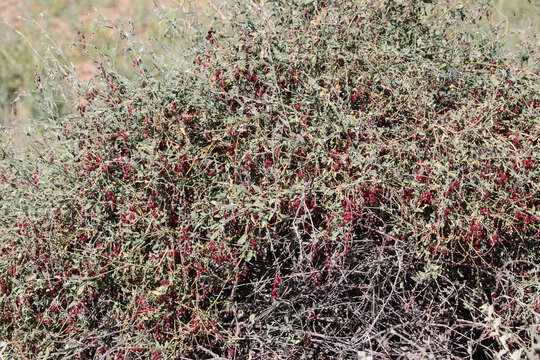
{"points": [[16, 12]]}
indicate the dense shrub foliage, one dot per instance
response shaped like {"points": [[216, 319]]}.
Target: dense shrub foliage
{"points": [[327, 180]]}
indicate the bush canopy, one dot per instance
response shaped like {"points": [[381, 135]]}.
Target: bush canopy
{"points": [[339, 179]]}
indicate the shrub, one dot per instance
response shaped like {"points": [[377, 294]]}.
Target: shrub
{"points": [[326, 180]]}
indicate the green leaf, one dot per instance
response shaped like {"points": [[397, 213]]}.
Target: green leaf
{"points": [[258, 203], [249, 255], [214, 235], [242, 239]]}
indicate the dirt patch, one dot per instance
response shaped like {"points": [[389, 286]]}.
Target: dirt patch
{"points": [[63, 24], [10, 13]]}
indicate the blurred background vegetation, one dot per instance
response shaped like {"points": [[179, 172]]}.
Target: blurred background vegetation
{"points": [[79, 33], [31, 28]]}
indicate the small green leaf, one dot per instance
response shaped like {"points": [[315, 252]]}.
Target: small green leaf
{"points": [[242, 239]]}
